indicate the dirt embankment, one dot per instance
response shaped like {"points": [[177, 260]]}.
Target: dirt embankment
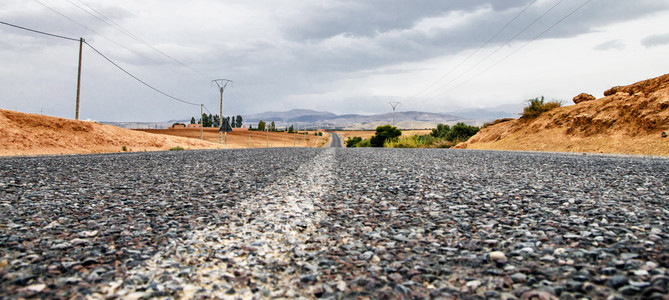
{"points": [[631, 119], [31, 134]]}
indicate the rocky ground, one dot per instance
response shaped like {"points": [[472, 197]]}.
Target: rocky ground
{"points": [[334, 223]]}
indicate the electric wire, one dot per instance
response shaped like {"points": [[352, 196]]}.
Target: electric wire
{"points": [[136, 78], [108, 59], [95, 32], [108, 21], [519, 48], [40, 32], [432, 95], [477, 50]]}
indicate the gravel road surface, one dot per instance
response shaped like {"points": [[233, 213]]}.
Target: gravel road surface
{"points": [[334, 223]]}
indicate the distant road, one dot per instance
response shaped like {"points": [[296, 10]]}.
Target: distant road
{"points": [[336, 141]]}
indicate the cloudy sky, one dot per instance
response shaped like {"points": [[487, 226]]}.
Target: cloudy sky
{"points": [[342, 56]]}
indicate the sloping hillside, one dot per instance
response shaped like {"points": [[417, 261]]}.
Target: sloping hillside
{"points": [[629, 119], [31, 134]]}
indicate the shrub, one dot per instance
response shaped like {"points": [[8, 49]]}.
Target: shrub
{"points": [[352, 142], [461, 132], [364, 143], [414, 141], [537, 106], [384, 133], [124, 148], [441, 131], [177, 148]]}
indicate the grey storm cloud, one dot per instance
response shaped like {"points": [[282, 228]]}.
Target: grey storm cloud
{"points": [[379, 33], [655, 40]]}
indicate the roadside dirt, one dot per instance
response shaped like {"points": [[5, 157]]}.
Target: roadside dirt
{"points": [[32, 134], [629, 120]]}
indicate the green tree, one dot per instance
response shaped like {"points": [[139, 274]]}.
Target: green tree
{"points": [[291, 129], [272, 127], [216, 122], [233, 122], [384, 133], [461, 132], [192, 120], [441, 131], [261, 125], [239, 121], [351, 142]]}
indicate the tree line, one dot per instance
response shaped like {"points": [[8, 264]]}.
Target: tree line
{"points": [[215, 121]]}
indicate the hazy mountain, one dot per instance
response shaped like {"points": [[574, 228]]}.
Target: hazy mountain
{"points": [[406, 119], [312, 118]]}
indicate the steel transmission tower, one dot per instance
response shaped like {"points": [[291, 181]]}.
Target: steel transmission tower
{"points": [[394, 104], [222, 83]]}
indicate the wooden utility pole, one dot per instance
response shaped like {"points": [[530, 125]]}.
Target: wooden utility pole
{"points": [[76, 113], [201, 124]]}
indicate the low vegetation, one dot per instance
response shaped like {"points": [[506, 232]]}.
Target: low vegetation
{"points": [[444, 136], [537, 106], [177, 148]]}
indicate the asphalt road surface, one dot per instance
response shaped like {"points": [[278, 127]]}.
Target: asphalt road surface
{"points": [[334, 223], [336, 141]]}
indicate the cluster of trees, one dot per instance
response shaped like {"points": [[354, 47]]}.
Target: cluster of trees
{"points": [[215, 121], [443, 136], [383, 134], [460, 132], [262, 126]]}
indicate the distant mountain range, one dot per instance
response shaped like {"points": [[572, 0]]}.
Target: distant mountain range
{"points": [[405, 119], [311, 119]]}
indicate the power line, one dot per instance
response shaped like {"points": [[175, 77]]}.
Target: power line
{"points": [[490, 54], [477, 50], [40, 32], [120, 28], [136, 78], [105, 57], [519, 48], [93, 31]]}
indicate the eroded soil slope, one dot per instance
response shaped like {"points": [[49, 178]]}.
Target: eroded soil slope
{"points": [[31, 134], [628, 119]]}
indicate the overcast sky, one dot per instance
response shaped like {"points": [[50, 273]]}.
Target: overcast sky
{"points": [[342, 56]]}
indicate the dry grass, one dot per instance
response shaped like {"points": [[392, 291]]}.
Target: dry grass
{"points": [[248, 139], [367, 134]]}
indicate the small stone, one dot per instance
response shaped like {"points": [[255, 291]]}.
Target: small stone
{"points": [[629, 290], [498, 257], [473, 285], [311, 278], [518, 277], [617, 281], [366, 256]]}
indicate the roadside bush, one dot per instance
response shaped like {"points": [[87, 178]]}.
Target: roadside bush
{"points": [[364, 143], [352, 142], [414, 141], [537, 106], [384, 133], [461, 132], [177, 148], [441, 131]]}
